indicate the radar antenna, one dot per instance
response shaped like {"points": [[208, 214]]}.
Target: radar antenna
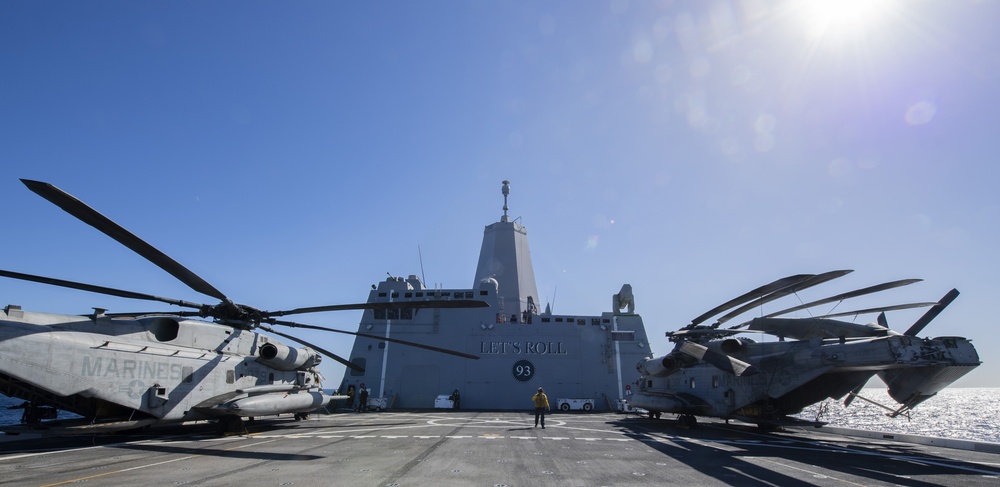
{"points": [[506, 192]]}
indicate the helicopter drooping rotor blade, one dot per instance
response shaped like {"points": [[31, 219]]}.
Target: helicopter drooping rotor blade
{"points": [[877, 310], [347, 363], [780, 293], [932, 313], [854, 393], [722, 362], [756, 293], [97, 289], [437, 303], [93, 218], [851, 294], [375, 337]]}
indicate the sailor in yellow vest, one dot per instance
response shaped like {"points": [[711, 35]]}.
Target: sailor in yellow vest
{"points": [[541, 405]]}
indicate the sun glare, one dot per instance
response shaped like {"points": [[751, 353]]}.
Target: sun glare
{"points": [[841, 19]]}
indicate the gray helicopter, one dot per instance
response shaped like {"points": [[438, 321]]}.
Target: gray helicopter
{"points": [[714, 372], [123, 372]]}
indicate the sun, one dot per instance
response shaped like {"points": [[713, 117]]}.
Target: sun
{"points": [[841, 19]]}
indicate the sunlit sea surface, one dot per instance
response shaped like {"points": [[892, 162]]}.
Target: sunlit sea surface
{"points": [[963, 413]]}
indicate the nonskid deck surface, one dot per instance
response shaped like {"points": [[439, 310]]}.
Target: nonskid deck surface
{"points": [[488, 449]]}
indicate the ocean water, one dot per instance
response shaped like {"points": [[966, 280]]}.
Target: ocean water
{"points": [[971, 413], [962, 413]]}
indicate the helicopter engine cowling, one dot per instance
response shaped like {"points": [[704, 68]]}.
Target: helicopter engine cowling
{"points": [[283, 357], [731, 345], [659, 366]]}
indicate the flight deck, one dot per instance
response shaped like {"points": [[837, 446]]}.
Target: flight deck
{"points": [[487, 449]]}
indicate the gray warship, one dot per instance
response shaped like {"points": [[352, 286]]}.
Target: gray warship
{"points": [[583, 362]]}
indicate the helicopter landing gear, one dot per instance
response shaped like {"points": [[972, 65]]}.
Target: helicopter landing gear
{"points": [[232, 425], [654, 415], [301, 416], [687, 421]]}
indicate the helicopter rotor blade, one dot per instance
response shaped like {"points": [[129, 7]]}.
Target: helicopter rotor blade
{"points": [[854, 393], [878, 310], [756, 293], [92, 217], [97, 289], [780, 293], [438, 303], [345, 362], [376, 337], [851, 294], [720, 361], [932, 313]]}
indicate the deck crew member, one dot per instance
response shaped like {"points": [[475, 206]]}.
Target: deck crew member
{"points": [[541, 405]]}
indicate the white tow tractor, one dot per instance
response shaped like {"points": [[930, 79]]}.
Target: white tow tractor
{"points": [[378, 404], [575, 404], [444, 402]]}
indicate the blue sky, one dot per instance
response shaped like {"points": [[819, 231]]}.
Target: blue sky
{"points": [[292, 153]]}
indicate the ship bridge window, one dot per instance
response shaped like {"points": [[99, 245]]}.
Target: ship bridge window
{"points": [[382, 295], [559, 320], [468, 294], [395, 295], [420, 295], [606, 320], [408, 295], [393, 314], [622, 336], [595, 321], [546, 320], [581, 321], [484, 293]]}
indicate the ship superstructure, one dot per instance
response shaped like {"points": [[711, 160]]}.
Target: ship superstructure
{"points": [[521, 347]]}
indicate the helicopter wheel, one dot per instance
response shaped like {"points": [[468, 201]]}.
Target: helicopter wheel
{"points": [[687, 421]]}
